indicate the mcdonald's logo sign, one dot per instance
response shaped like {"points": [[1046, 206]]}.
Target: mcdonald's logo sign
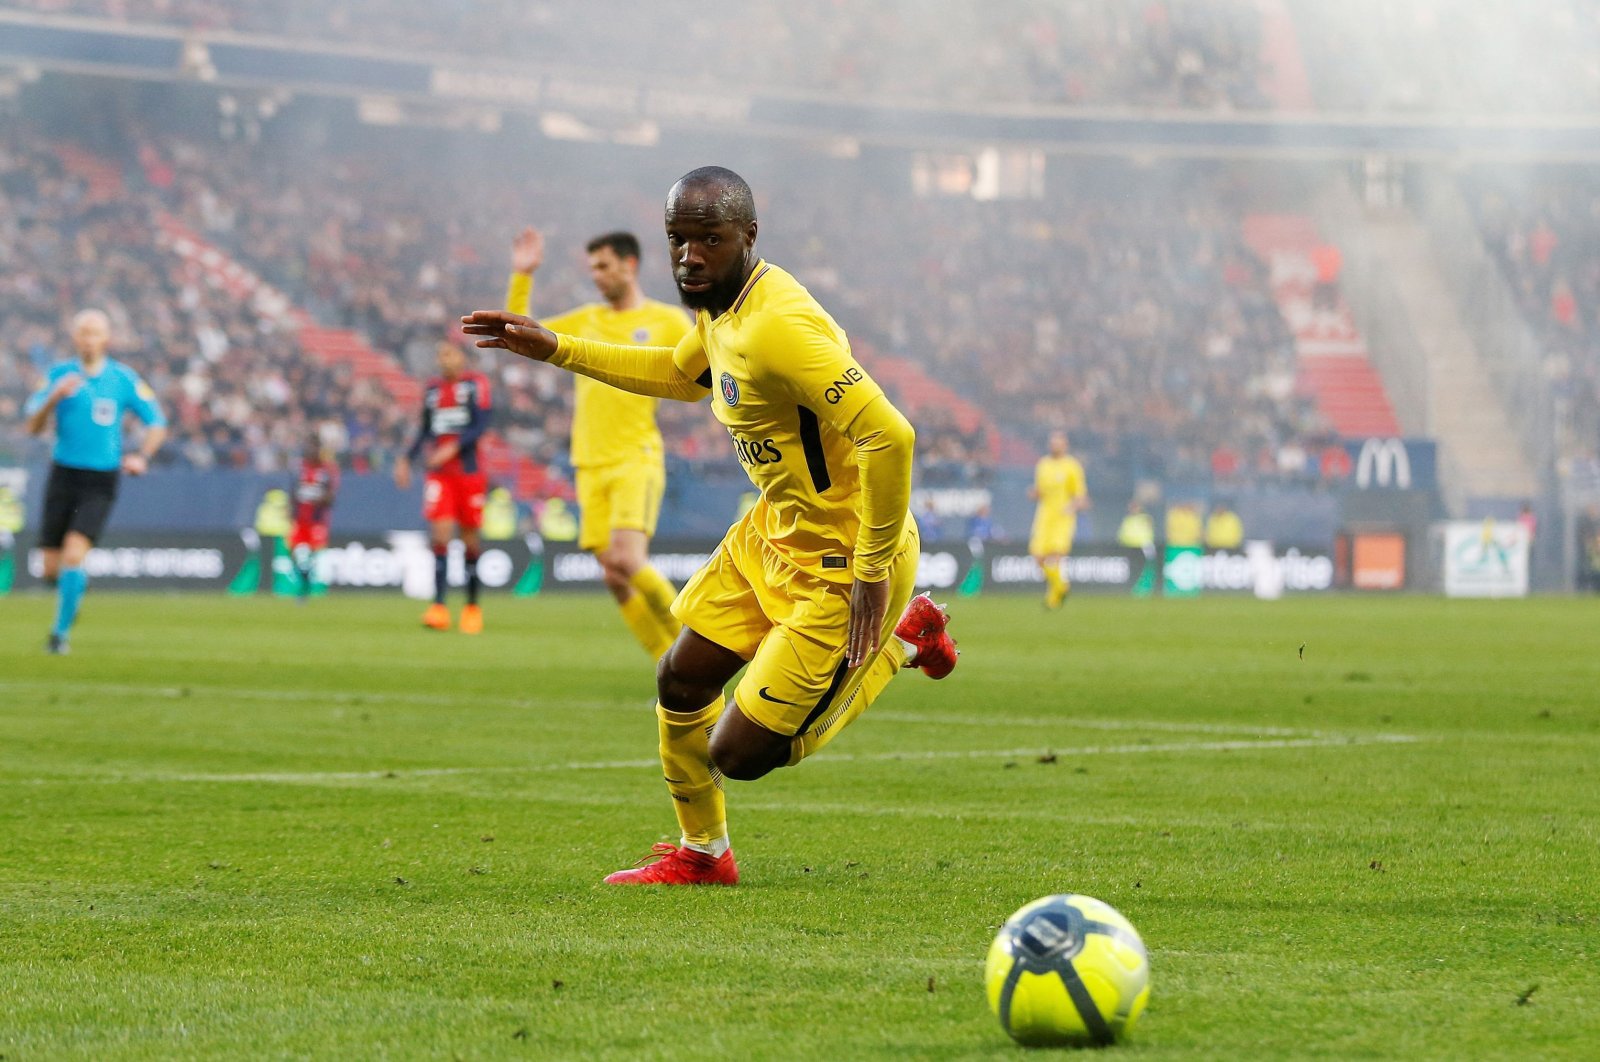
{"points": [[1383, 463]]}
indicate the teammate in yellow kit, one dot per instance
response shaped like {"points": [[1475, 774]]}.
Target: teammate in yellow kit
{"points": [[1060, 490], [805, 586], [616, 447]]}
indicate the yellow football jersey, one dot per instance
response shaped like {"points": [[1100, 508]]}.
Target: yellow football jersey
{"points": [[804, 418], [1059, 481], [609, 425]]}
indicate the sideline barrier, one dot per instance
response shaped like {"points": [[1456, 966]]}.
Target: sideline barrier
{"points": [[402, 560]]}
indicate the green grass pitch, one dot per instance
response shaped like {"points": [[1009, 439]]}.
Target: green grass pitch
{"points": [[237, 828]]}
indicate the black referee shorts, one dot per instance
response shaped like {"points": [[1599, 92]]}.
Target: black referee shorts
{"points": [[76, 499]]}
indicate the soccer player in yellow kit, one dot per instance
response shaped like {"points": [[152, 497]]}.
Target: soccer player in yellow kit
{"points": [[805, 586], [616, 446], [1060, 490]]}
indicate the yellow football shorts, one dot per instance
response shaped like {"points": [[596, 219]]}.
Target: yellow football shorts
{"points": [[624, 496], [791, 624], [1052, 535]]}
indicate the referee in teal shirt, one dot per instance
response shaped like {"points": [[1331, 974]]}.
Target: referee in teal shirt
{"points": [[88, 397]]}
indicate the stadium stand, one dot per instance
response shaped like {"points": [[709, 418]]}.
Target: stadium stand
{"points": [[1128, 306], [1333, 368], [1197, 54], [1543, 228]]}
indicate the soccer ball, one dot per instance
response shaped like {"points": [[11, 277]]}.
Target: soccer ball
{"points": [[1067, 970]]}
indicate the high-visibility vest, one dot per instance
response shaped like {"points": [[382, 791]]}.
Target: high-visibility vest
{"points": [[1138, 531], [272, 515]]}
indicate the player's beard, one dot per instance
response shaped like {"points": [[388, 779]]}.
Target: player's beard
{"points": [[715, 299]]}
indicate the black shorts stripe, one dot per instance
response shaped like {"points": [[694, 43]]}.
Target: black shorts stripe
{"points": [[811, 443], [704, 379], [1099, 1031], [827, 698]]}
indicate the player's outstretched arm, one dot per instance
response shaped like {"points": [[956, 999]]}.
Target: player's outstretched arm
{"points": [[503, 330], [659, 372]]}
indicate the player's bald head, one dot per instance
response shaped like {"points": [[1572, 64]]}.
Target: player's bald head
{"points": [[714, 189], [711, 237], [91, 332], [92, 318]]}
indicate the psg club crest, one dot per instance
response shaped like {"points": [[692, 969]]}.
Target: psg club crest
{"points": [[641, 335], [730, 389]]}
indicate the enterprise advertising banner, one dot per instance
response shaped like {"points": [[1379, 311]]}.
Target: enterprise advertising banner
{"points": [[402, 561]]}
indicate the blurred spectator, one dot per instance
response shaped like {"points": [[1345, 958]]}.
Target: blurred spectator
{"points": [[1224, 529], [557, 522], [1123, 307], [1543, 227], [1328, 262], [1184, 526], [1201, 54], [982, 529], [1137, 530], [929, 525], [1589, 549]]}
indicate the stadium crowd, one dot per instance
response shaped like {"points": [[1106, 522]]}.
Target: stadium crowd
{"points": [[1544, 231], [1130, 315], [236, 386], [1153, 53], [1370, 56], [1124, 309]]}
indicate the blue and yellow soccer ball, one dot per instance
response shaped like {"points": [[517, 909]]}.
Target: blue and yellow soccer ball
{"points": [[1067, 970]]}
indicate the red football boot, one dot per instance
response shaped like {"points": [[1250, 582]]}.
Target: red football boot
{"points": [[923, 625], [679, 866]]}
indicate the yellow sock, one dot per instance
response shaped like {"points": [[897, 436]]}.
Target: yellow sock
{"points": [[1052, 582], [854, 698], [658, 592], [646, 628], [695, 785]]}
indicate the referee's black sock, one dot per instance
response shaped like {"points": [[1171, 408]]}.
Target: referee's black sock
{"points": [[472, 577], [441, 572]]}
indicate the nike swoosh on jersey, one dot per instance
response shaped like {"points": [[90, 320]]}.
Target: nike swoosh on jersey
{"points": [[768, 697]]}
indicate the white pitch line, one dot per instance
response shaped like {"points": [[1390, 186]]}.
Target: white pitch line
{"points": [[346, 698], [334, 778], [343, 698], [1319, 742], [937, 719]]}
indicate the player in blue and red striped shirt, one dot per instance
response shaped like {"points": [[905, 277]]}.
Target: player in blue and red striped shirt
{"points": [[455, 413], [315, 486]]}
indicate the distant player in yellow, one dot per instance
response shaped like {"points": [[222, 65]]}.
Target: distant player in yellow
{"points": [[616, 447], [806, 586], [1060, 490]]}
